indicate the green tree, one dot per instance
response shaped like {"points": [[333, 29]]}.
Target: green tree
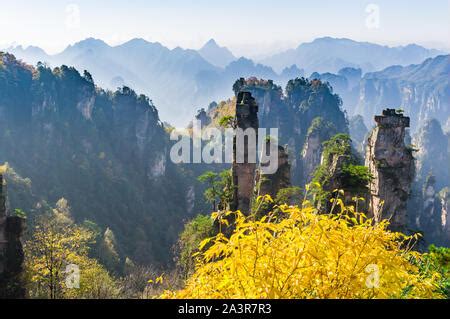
{"points": [[212, 192], [195, 231], [227, 121], [220, 188], [349, 175], [227, 189]]}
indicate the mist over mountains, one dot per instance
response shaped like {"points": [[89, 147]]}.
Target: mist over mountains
{"points": [[180, 81]]}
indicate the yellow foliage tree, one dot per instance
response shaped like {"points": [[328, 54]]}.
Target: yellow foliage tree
{"points": [[294, 252], [56, 244]]}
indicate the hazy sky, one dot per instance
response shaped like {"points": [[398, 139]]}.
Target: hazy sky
{"points": [[247, 27]]}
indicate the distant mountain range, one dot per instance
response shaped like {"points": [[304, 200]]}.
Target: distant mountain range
{"points": [[169, 76], [181, 80], [421, 90], [330, 55]]}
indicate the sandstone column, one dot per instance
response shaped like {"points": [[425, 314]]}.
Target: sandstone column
{"points": [[392, 165], [244, 173]]}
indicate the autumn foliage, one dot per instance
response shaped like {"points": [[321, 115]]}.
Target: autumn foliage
{"points": [[296, 252]]}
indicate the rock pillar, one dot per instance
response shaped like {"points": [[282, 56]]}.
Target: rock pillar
{"points": [[391, 164]]}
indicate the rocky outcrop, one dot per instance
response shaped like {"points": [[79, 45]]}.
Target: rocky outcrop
{"points": [[334, 164], [341, 169], [391, 164], [271, 184], [11, 252]]}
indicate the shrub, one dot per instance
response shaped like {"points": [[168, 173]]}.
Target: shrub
{"points": [[298, 253]]}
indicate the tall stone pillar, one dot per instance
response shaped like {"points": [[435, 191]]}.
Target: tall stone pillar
{"points": [[244, 172], [2, 197], [391, 164]]}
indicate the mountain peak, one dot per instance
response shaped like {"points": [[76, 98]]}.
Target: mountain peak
{"points": [[215, 54], [211, 43], [90, 43], [331, 40], [137, 41], [141, 43], [86, 45]]}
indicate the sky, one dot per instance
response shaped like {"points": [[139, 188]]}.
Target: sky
{"points": [[253, 28]]}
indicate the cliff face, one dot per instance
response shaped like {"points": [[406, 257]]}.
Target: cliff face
{"points": [[11, 252], [428, 209], [444, 199], [106, 152], [432, 214], [311, 155], [430, 219], [392, 166], [358, 133], [433, 156], [319, 132]]}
